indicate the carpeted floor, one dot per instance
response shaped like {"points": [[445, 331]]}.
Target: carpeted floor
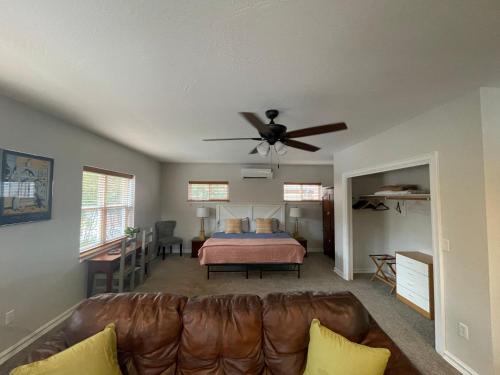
{"points": [[413, 333], [183, 275]]}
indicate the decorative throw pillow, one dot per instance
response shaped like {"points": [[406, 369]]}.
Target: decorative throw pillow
{"points": [[331, 353], [263, 226], [245, 225], [233, 226], [95, 355]]}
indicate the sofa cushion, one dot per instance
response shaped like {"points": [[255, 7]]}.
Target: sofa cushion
{"points": [[94, 355], [222, 335], [331, 353], [148, 327], [287, 318]]}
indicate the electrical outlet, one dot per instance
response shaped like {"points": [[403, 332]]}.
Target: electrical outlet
{"points": [[9, 317], [463, 330], [445, 245]]}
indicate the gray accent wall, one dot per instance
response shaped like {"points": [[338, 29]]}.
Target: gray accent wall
{"points": [[174, 188], [41, 275], [454, 131]]}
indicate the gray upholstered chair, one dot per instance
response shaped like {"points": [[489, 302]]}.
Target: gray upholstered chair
{"points": [[165, 236]]}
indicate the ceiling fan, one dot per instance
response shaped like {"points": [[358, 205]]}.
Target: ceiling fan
{"points": [[276, 136]]}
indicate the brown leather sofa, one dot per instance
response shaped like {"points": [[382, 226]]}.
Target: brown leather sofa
{"points": [[231, 334]]}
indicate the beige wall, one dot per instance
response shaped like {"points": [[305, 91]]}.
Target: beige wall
{"points": [[490, 108], [377, 232], [454, 131], [175, 177], [40, 272]]}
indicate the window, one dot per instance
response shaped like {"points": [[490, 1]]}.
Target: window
{"points": [[107, 206], [293, 191], [202, 191]]}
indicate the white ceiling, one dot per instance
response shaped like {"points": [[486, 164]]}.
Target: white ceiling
{"points": [[160, 75]]}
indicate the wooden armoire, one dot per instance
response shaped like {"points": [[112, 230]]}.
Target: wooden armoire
{"points": [[328, 222]]}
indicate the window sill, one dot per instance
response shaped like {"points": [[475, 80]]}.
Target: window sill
{"points": [[90, 253], [305, 201], [211, 200]]}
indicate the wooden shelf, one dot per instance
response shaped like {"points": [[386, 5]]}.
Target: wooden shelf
{"points": [[407, 197]]}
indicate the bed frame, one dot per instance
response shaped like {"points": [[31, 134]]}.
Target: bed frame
{"points": [[283, 267]]}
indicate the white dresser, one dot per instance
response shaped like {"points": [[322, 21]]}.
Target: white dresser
{"points": [[414, 281]]}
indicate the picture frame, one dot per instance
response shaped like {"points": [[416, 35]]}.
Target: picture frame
{"points": [[25, 187]]}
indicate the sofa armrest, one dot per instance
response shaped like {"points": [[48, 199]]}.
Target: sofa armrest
{"points": [[53, 345], [398, 364]]}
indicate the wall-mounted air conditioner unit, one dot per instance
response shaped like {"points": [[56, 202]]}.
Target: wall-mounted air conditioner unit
{"points": [[256, 173]]}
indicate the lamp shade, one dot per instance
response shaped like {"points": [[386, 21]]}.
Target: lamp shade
{"points": [[202, 212], [280, 148], [295, 212], [263, 148]]}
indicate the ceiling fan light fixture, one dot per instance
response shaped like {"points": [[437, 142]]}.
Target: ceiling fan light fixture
{"points": [[263, 148], [280, 148]]}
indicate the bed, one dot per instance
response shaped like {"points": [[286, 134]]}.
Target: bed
{"points": [[243, 252]]}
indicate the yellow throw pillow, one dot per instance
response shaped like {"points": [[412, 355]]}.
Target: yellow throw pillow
{"points": [[95, 355], [233, 226], [331, 353], [263, 225]]}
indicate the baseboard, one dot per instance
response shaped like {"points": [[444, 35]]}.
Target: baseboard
{"points": [[458, 364], [315, 250], [339, 272], [364, 270], [35, 335]]}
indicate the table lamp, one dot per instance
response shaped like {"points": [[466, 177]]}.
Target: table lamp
{"points": [[202, 213], [296, 212]]}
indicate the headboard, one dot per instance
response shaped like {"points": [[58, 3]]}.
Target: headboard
{"points": [[250, 210]]}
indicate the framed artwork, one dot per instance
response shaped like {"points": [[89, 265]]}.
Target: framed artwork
{"points": [[25, 187]]}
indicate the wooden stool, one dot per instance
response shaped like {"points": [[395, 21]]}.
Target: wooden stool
{"points": [[385, 274]]}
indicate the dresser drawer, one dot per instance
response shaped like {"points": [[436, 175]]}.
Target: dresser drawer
{"points": [[423, 303], [412, 264], [413, 281]]}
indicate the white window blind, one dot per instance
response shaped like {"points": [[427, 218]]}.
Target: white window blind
{"points": [[107, 207], [208, 191], [301, 192]]}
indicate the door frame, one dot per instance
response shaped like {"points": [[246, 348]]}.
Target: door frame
{"points": [[432, 160]]}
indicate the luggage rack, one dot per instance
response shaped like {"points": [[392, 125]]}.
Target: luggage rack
{"points": [[387, 275]]}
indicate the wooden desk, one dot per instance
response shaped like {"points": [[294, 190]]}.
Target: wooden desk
{"points": [[107, 264]]}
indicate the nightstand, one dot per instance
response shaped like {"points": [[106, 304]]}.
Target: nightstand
{"points": [[196, 244], [303, 242]]}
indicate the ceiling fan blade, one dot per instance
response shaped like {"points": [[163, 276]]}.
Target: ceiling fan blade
{"points": [[254, 151], [232, 139], [316, 130], [301, 145], [256, 122]]}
